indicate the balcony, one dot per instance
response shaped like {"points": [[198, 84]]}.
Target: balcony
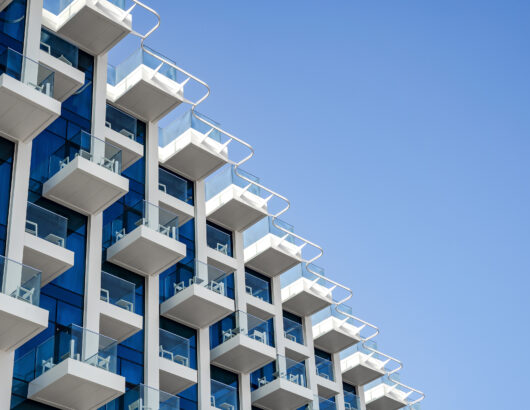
{"points": [[176, 195], [243, 343], [293, 333], [143, 397], [351, 401], [196, 295], [233, 202], [386, 394], [62, 58], [27, 105], [21, 318], [45, 243], [303, 292], [76, 366], [85, 175], [191, 147], [223, 396], [326, 404], [144, 86], [269, 250], [176, 373], [286, 389], [327, 387], [334, 331], [219, 252], [258, 296], [144, 239], [118, 319], [361, 364], [94, 25], [121, 131]]}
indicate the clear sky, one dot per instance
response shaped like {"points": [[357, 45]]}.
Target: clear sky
{"points": [[400, 132]]}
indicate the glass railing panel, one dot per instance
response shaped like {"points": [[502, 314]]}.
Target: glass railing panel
{"points": [[58, 6], [266, 226], [174, 185], [79, 344], [246, 324], [293, 331], [382, 380], [369, 348], [188, 120], [27, 71], [325, 404], [228, 176], [59, 48], [46, 224], [117, 291], [121, 122], [324, 368], [351, 401], [143, 397], [218, 240], [174, 348], [291, 370], [257, 287], [223, 396], [20, 281], [331, 311], [301, 271], [90, 148]]}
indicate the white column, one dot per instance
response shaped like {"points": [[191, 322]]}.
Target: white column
{"points": [[337, 375], [360, 394], [6, 379], [311, 368]]}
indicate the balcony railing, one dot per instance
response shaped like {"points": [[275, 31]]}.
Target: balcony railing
{"points": [[218, 240], [174, 185], [58, 48], [326, 404], [79, 344], [90, 148], [183, 123], [27, 71], [301, 271], [20, 281], [331, 311], [46, 225], [226, 177], [293, 331], [257, 287], [174, 348], [58, 6], [324, 368], [122, 123], [117, 291], [143, 397], [242, 323], [223, 396], [287, 369], [351, 401], [266, 226]]}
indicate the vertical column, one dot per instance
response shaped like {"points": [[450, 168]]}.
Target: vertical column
{"points": [[360, 394], [276, 293], [311, 368], [337, 375]]}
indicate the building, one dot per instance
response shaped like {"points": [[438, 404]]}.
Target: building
{"points": [[142, 267]]}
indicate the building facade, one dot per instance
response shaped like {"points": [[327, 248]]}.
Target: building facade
{"points": [[141, 267]]}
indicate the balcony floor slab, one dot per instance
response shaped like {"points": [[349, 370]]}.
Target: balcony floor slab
{"points": [[117, 323], [281, 394], [175, 377]]}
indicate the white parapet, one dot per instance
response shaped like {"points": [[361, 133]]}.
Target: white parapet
{"points": [[67, 79]]}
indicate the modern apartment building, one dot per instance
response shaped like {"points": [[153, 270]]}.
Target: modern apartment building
{"points": [[141, 267]]}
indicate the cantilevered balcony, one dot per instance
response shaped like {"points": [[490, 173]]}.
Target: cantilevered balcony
{"points": [[196, 294], [303, 292], [293, 333], [62, 58], [259, 295], [286, 389], [351, 401], [85, 175], [233, 202], [145, 86], [45, 243], [144, 239], [327, 387], [121, 130], [385, 394], [143, 397], [360, 364], [21, 318], [94, 25], [118, 319], [192, 148], [242, 343], [269, 250], [176, 195], [223, 396], [334, 331], [76, 369], [27, 105], [219, 252], [176, 373]]}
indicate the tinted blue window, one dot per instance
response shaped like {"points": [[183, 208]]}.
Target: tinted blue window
{"points": [[13, 25], [6, 166]]}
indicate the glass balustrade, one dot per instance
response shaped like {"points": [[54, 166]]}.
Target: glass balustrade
{"points": [[59, 48], [20, 281], [326, 404], [143, 397], [266, 226], [186, 121], [293, 331], [324, 368], [117, 291], [175, 186], [229, 176], [218, 239], [331, 311], [369, 348], [174, 348], [257, 287], [351, 401], [288, 369], [46, 224], [58, 6], [122, 123], [223, 396], [27, 71], [241, 323], [302, 271]]}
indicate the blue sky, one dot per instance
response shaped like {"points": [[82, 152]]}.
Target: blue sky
{"points": [[400, 132]]}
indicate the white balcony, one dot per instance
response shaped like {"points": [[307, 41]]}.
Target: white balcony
{"points": [[176, 374], [295, 348], [118, 319], [144, 86], [21, 318], [145, 239], [333, 331], [360, 365], [76, 369], [85, 175], [174, 195], [244, 347], [196, 297], [4, 4], [384, 394], [219, 250], [27, 105], [326, 384], [270, 251], [304, 293], [192, 148], [94, 25], [232, 202]]}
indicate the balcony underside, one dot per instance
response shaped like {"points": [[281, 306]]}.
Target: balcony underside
{"points": [[183, 210], [260, 308], [146, 251], [296, 351], [118, 323], [131, 151], [52, 260], [380, 398], [333, 338], [327, 388], [19, 322], [304, 298], [24, 111], [72, 384], [357, 369], [271, 259], [197, 307], [85, 187], [175, 377], [242, 354], [67, 79], [281, 394]]}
